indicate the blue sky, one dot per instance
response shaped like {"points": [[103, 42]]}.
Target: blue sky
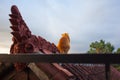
{"points": [[86, 21]]}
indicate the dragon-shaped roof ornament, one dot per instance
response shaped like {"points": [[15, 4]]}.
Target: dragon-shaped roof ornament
{"points": [[22, 34], [20, 30], [25, 42]]}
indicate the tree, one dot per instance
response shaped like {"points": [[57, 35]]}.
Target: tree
{"points": [[118, 51], [101, 47]]}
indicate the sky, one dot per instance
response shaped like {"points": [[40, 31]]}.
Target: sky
{"points": [[86, 21]]}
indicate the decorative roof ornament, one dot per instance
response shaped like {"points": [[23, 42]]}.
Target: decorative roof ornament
{"points": [[25, 42]]}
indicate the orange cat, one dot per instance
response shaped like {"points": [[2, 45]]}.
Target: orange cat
{"points": [[64, 43]]}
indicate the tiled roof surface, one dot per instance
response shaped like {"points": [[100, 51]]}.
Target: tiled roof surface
{"points": [[8, 72], [92, 72], [81, 72]]}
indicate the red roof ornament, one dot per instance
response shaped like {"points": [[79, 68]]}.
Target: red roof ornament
{"points": [[25, 42]]}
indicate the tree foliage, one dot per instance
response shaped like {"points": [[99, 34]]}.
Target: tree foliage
{"points": [[101, 47], [118, 51]]}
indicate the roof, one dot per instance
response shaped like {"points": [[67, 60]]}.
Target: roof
{"points": [[80, 71]]}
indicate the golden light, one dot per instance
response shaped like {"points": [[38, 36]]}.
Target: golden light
{"points": [[4, 50]]}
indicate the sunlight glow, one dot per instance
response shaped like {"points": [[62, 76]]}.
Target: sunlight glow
{"points": [[4, 50]]}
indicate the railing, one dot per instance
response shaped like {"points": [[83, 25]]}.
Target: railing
{"points": [[106, 59]]}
